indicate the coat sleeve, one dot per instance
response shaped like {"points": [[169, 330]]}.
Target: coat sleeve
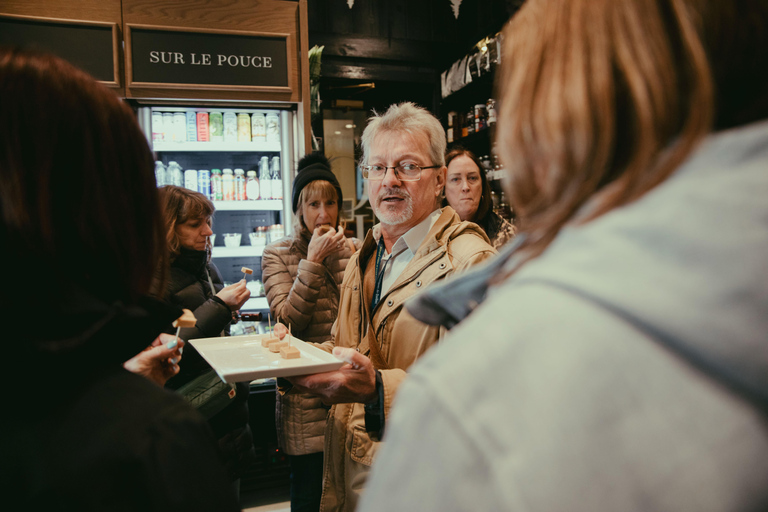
{"points": [[291, 301]]}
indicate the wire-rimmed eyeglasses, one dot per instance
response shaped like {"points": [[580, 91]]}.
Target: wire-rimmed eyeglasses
{"points": [[403, 172]]}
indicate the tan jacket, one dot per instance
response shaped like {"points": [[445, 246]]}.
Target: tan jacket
{"points": [[450, 246], [306, 296]]}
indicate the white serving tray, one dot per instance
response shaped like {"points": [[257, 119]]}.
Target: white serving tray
{"points": [[243, 359]]}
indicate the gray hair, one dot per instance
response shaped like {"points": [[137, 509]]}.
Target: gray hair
{"points": [[409, 118]]}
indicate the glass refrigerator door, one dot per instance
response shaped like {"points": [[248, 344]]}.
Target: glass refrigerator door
{"points": [[240, 158]]}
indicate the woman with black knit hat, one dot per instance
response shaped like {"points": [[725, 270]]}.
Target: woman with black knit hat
{"points": [[301, 276]]}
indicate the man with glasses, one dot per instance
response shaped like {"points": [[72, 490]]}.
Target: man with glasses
{"points": [[415, 244]]}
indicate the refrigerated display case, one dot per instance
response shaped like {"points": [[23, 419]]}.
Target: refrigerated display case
{"points": [[270, 216]]}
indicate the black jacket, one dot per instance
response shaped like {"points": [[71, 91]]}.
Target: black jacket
{"points": [[189, 288], [81, 433]]}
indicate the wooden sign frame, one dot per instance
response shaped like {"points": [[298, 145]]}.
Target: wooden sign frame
{"points": [[288, 39], [114, 27]]}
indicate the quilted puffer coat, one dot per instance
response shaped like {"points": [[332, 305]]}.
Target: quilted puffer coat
{"points": [[305, 295]]}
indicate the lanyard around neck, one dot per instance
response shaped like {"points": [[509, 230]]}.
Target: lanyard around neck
{"points": [[379, 274]]}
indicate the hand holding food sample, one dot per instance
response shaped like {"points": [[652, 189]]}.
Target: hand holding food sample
{"points": [[235, 295], [158, 362], [325, 241]]}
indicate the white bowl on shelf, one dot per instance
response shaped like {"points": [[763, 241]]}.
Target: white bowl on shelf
{"points": [[232, 239]]}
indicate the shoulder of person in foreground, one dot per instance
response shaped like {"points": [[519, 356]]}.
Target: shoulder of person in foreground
{"points": [[468, 244]]}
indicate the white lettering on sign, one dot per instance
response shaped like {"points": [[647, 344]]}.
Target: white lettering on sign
{"points": [[244, 61], [204, 59], [156, 57]]}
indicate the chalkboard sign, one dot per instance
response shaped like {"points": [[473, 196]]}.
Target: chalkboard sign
{"points": [[88, 46], [223, 59]]}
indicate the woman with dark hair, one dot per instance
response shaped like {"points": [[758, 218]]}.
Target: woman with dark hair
{"points": [[301, 276], [468, 192], [83, 237], [623, 355], [195, 283]]}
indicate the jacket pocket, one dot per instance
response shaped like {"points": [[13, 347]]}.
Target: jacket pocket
{"points": [[363, 446]]}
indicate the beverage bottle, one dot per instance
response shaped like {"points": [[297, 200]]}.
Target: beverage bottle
{"points": [[251, 186], [160, 173], [215, 126], [217, 191], [191, 127], [157, 127], [179, 127], [202, 127], [174, 176], [239, 185], [277, 181], [265, 179], [258, 128], [243, 127], [230, 127], [204, 182], [273, 128], [168, 126], [228, 185], [490, 107], [190, 179]]}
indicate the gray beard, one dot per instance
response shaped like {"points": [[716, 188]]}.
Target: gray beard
{"points": [[392, 218]]}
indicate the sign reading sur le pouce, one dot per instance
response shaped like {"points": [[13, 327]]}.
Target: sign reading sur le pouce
{"points": [[174, 57]]}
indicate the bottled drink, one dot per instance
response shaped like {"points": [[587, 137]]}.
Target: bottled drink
{"points": [[190, 179], [204, 183], [480, 119], [265, 179], [168, 126], [174, 176], [202, 127], [217, 190], [490, 108], [243, 128], [228, 185], [251, 186], [216, 126], [258, 128], [230, 127], [191, 127], [239, 185], [180, 127], [157, 127], [471, 121], [160, 173], [277, 180], [273, 128]]}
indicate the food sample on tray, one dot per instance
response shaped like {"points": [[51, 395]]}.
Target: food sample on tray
{"points": [[276, 346], [290, 352]]}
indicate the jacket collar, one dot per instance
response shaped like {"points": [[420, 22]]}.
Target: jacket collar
{"points": [[191, 261], [449, 302]]}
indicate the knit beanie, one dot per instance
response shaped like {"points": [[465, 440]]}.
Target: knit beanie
{"points": [[314, 166]]}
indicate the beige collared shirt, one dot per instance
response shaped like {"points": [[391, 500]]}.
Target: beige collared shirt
{"points": [[393, 263]]}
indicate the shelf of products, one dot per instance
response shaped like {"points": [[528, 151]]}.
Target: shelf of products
{"points": [[235, 157]]}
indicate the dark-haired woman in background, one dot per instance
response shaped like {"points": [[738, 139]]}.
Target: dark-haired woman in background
{"points": [[196, 284], [83, 236], [301, 276], [468, 192]]}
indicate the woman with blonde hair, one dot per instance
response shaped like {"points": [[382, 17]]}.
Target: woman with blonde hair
{"points": [[301, 276], [622, 363]]}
